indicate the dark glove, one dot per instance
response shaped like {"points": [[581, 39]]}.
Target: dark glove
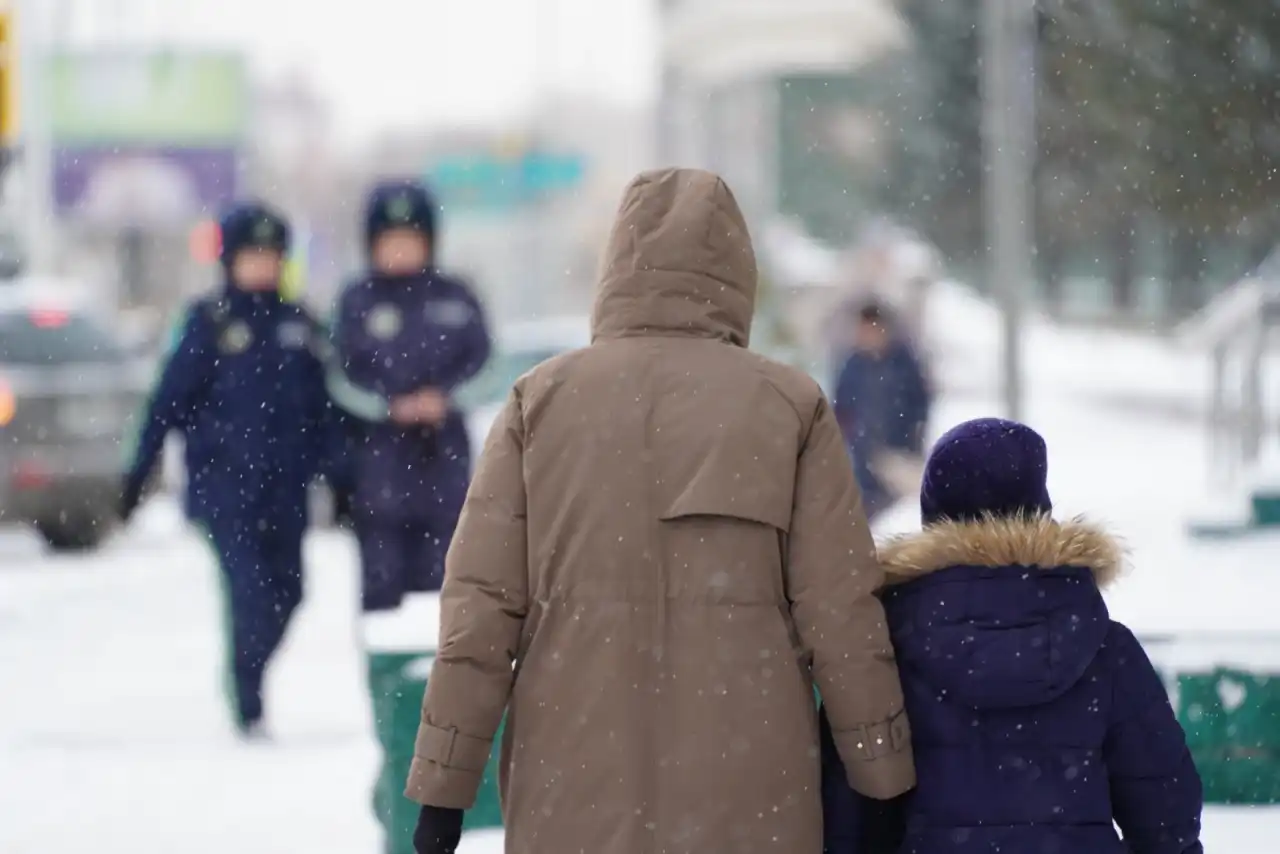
{"points": [[342, 517], [439, 831], [130, 498], [884, 827]]}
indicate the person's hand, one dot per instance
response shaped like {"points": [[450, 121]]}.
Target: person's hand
{"points": [[342, 505], [428, 406], [439, 831], [433, 406]]}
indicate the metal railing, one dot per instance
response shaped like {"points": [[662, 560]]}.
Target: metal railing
{"points": [[1237, 329]]}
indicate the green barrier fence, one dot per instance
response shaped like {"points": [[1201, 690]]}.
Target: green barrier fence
{"points": [[400, 649], [1226, 692]]}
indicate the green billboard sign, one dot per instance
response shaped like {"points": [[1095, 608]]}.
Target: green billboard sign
{"points": [[134, 97]]}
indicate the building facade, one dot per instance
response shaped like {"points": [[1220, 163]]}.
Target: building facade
{"points": [[766, 93]]}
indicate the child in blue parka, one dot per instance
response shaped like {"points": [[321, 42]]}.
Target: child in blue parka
{"points": [[1039, 724]]}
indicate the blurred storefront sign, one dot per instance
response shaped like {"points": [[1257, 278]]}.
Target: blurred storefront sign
{"points": [[146, 139], [157, 188], [121, 97], [498, 181]]}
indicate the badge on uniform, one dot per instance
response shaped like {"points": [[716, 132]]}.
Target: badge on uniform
{"points": [[400, 209], [293, 335], [452, 313], [236, 338], [384, 322]]}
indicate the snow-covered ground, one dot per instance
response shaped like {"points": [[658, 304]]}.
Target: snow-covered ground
{"points": [[1098, 363], [111, 729]]}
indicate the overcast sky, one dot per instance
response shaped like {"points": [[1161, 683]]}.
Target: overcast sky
{"points": [[409, 62]]}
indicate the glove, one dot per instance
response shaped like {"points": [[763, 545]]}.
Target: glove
{"points": [[439, 831], [884, 825], [342, 517], [130, 498]]}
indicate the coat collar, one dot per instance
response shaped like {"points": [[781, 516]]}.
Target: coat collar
{"points": [[993, 542]]}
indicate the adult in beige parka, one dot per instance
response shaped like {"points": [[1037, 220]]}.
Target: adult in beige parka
{"points": [[662, 551]]}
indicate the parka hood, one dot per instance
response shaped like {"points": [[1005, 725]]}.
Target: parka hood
{"points": [[679, 262], [1000, 613]]}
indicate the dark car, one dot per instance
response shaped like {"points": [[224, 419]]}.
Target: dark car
{"points": [[69, 391]]}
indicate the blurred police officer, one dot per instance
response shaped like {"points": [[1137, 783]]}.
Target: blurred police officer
{"points": [[406, 336], [244, 385]]}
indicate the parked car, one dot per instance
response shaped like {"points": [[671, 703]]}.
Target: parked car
{"points": [[518, 347], [69, 393]]}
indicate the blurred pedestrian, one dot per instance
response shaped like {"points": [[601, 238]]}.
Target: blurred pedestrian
{"points": [[896, 268], [882, 401], [244, 385], [652, 570], [1039, 722], [406, 335]]}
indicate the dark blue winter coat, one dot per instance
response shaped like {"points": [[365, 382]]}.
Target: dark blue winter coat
{"points": [[244, 384], [882, 400], [1036, 720], [393, 337]]}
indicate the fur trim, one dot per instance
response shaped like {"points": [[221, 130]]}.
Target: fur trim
{"points": [[1038, 541]]}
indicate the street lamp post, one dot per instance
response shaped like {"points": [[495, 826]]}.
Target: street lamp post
{"points": [[35, 20], [1008, 139]]}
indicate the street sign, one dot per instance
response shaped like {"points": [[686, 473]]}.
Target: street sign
{"points": [[488, 181]]}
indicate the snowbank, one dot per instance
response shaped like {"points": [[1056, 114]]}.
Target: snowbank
{"points": [[966, 336]]}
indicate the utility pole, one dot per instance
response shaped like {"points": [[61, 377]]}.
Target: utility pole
{"points": [[542, 231], [34, 39], [1008, 140]]}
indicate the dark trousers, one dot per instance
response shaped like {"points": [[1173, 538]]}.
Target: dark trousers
{"points": [[399, 557], [261, 570]]}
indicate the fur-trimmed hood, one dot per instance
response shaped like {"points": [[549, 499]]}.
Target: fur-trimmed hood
{"points": [[993, 542], [999, 613]]}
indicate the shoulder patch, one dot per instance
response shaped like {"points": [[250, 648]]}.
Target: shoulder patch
{"points": [[454, 313], [384, 321], [236, 338], [294, 334]]}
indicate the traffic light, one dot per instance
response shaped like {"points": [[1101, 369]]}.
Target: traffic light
{"points": [[8, 80]]}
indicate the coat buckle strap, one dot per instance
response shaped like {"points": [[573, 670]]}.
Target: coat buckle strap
{"points": [[450, 748], [899, 732], [884, 739], [864, 743]]}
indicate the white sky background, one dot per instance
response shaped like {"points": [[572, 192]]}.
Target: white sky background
{"points": [[409, 63]]}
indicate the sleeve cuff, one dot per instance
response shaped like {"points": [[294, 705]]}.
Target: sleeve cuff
{"points": [[878, 757], [447, 767]]}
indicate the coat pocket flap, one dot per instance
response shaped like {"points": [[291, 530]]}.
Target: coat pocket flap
{"points": [[764, 506]]}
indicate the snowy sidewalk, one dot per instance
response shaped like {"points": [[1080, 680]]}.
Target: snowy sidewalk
{"points": [[112, 731]]}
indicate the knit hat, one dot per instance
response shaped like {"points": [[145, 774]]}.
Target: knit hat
{"points": [[252, 225], [399, 204], [988, 466]]}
